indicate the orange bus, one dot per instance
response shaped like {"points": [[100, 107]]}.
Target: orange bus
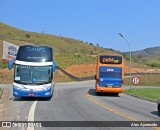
{"points": [[110, 73]]}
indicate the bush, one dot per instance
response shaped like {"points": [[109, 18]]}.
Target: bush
{"points": [[27, 35]]}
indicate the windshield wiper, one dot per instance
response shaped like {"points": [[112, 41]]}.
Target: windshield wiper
{"points": [[41, 83], [30, 83], [21, 82]]}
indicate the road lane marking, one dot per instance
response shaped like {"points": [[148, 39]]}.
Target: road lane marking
{"points": [[112, 110], [31, 114], [108, 108], [18, 117]]}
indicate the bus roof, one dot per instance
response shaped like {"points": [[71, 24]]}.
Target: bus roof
{"points": [[30, 53], [110, 54]]}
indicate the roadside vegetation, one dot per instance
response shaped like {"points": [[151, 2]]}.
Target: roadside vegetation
{"points": [[151, 93], [66, 60], [145, 93], [152, 80], [0, 92], [153, 62]]}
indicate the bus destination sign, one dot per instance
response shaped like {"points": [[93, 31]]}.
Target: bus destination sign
{"points": [[104, 59]]}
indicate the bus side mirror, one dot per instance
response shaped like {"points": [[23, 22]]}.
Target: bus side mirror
{"points": [[10, 63], [95, 77], [53, 66]]}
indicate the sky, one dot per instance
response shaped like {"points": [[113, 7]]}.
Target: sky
{"points": [[92, 21]]}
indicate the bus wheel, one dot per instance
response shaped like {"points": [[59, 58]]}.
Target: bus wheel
{"points": [[97, 93], [159, 108], [116, 94], [51, 96]]}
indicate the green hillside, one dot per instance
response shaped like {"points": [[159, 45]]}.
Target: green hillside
{"points": [[60, 44], [150, 56], [67, 50]]}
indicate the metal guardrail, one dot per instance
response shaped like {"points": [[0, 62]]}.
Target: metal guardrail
{"points": [[74, 77], [134, 74], [93, 77]]}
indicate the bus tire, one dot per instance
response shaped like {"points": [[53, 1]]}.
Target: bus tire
{"points": [[97, 93], [159, 108], [116, 94], [51, 96]]}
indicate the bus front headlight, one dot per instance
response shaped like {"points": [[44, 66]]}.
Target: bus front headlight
{"points": [[17, 87], [47, 87]]}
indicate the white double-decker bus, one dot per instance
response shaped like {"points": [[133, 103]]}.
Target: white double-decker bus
{"points": [[33, 71]]}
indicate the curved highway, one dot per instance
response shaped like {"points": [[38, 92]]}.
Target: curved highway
{"points": [[77, 101]]}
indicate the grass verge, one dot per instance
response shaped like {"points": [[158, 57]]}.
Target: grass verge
{"points": [[149, 80], [145, 93], [1, 92]]}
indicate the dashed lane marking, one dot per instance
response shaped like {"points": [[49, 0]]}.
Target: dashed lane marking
{"points": [[31, 114]]}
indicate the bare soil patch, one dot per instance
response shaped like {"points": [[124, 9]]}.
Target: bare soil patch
{"points": [[82, 70]]}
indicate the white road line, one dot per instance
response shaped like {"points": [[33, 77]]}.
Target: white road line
{"points": [[31, 114]]}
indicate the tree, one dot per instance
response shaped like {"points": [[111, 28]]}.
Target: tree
{"points": [[97, 45], [27, 35]]}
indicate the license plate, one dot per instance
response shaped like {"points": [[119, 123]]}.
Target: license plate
{"points": [[30, 94]]}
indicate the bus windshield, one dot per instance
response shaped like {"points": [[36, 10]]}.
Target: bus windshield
{"points": [[110, 72], [33, 74]]}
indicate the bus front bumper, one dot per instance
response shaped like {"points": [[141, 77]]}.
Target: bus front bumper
{"points": [[30, 93]]}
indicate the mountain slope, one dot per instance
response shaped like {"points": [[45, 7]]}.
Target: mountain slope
{"points": [[148, 52], [67, 51], [59, 43], [148, 56]]}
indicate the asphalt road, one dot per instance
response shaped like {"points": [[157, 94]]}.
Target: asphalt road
{"points": [[77, 101]]}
